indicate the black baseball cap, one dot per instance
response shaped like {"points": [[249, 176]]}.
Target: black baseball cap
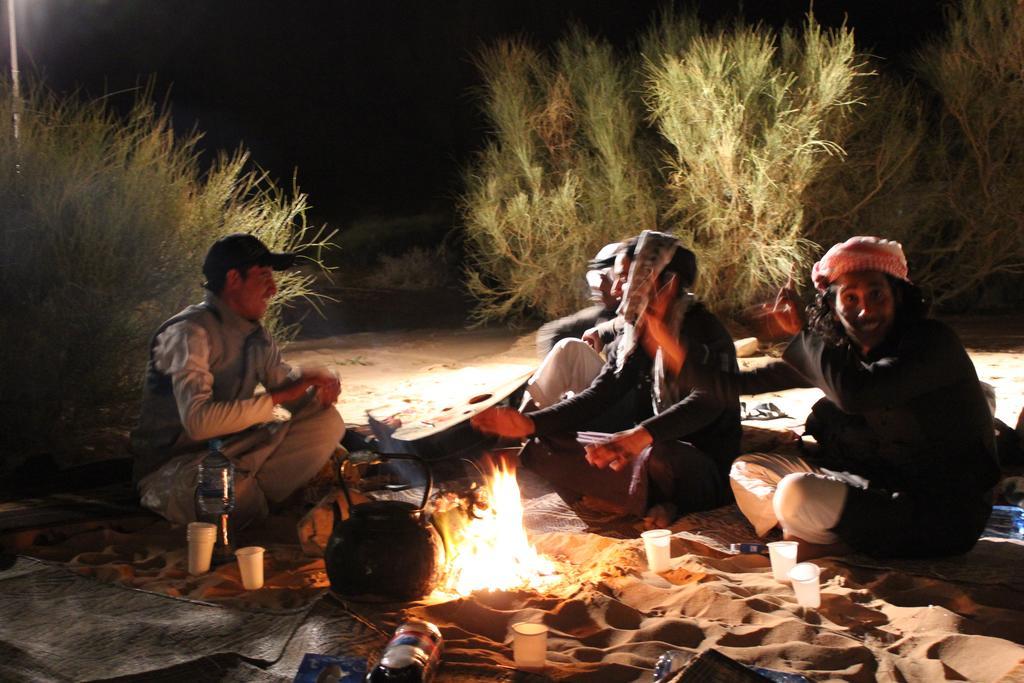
{"points": [[240, 250]]}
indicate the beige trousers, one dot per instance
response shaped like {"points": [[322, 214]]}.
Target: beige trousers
{"points": [[785, 490], [571, 366], [272, 461]]}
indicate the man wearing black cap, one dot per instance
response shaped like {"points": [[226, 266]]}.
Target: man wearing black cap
{"points": [[205, 364]]}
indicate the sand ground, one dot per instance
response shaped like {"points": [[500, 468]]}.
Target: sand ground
{"points": [[418, 373], [954, 619]]}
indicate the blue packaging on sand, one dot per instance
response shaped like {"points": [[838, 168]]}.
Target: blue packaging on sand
{"points": [[331, 669], [749, 548]]}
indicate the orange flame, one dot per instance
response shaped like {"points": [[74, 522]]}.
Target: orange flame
{"points": [[488, 549]]}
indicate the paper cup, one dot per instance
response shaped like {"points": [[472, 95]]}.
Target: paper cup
{"points": [[201, 537], [783, 554], [658, 549], [805, 584], [250, 564], [530, 645]]}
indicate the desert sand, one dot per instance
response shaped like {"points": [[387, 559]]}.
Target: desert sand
{"points": [[875, 623], [610, 618]]}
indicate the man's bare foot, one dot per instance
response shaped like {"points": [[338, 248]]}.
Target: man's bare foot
{"points": [[661, 516]]}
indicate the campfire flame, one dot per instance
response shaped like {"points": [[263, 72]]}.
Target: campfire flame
{"points": [[486, 543]]}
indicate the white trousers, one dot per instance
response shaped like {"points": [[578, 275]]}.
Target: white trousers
{"points": [[786, 490], [571, 366], [271, 462]]}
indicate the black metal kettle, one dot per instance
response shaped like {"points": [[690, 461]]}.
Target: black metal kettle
{"points": [[387, 550]]}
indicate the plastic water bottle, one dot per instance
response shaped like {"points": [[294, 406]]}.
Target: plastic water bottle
{"points": [[411, 656], [669, 664], [1007, 521], [215, 498]]}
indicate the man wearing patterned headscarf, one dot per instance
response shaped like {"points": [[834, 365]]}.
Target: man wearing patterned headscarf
{"points": [[674, 456], [904, 461]]}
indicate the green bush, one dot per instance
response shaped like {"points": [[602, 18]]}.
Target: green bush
{"points": [[559, 179], [104, 223], [879, 185], [741, 122], [751, 119], [938, 166], [976, 155], [758, 150], [418, 268]]}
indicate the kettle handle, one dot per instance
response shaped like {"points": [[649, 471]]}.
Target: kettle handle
{"points": [[395, 456], [348, 499], [428, 486]]}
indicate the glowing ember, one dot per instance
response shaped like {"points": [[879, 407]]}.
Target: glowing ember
{"points": [[486, 543]]}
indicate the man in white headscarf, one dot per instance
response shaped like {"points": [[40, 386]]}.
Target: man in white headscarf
{"points": [[605, 301], [676, 455]]}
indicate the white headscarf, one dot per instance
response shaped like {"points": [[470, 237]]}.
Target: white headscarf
{"points": [[654, 251]]}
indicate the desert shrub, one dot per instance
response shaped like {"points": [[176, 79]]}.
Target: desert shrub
{"points": [[104, 222], [361, 241], [975, 154], [751, 119], [879, 186], [740, 122], [560, 177], [418, 268], [758, 149]]}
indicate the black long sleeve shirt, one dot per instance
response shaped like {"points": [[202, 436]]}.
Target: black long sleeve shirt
{"points": [[915, 416], [707, 419]]}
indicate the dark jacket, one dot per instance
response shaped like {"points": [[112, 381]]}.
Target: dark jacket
{"points": [[706, 420], [910, 418], [915, 416], [571, 327]]}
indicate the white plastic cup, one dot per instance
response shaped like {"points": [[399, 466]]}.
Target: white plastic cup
{"points": [[783, 554], [200, 536], [658, 549], [530, 645], [250, 564], [805, 584]]}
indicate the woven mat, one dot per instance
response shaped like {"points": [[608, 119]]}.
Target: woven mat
{"points": [[154, 558], [56, 625]]}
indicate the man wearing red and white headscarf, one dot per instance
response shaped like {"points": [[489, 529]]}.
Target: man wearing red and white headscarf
{"points": [[904, 463]]}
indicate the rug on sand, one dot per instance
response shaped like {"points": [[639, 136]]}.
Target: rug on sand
{"points": [[153, 557], [56, 625]]}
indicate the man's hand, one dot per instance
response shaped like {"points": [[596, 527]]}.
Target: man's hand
{"points": [[617, 451], [593, 338], [788, 309], [326, 383], [503, 422]]}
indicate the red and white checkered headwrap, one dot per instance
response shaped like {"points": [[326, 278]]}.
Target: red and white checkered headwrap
{"points": [[860, 253]]}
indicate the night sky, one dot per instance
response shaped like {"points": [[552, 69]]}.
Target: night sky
{"points": [[371, 101]]}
